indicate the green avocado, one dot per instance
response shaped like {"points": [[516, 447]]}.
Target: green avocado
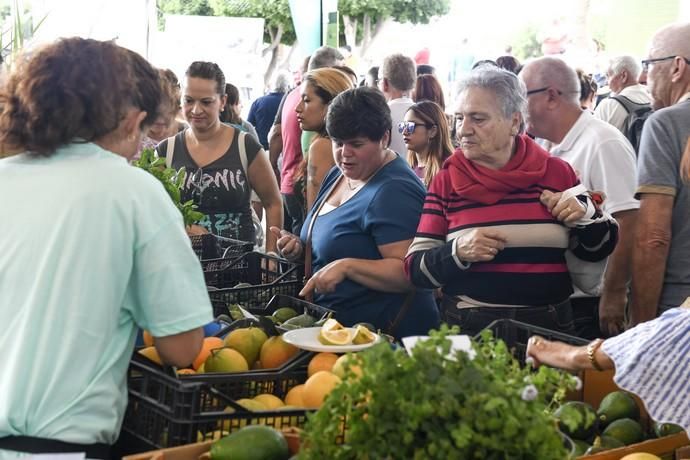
{"points": [[285, 313], [626, 430], [255, 442], [617, 405], [666, 429]]}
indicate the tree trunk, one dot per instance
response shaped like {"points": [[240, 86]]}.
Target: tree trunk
{"points": [[276, 36], [369, 35], [271, 66], [350, 25]]}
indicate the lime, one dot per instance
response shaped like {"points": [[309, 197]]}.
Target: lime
{"points": [[362, 336]]}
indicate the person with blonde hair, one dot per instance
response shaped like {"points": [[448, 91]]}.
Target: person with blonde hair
{"points": [[427, 136], [318, 89]]}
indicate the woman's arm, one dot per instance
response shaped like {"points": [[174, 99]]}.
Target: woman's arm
{"points": [[567, 357], [264, 183], [320, 161], [385, 274]]}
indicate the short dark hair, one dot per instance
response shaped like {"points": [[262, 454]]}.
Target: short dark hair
{"points": [[57, 94], [425, 69], [208, 71], [509, 63], [359, 112]]}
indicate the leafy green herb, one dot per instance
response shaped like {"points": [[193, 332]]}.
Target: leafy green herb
{"points": [[426, 406], [172, 180]]}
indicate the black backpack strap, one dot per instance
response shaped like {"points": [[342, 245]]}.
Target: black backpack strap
{"points": [[629, 105]]}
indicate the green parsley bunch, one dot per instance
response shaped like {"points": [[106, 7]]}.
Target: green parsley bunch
{"points": [[432, 406], [172, 181]]}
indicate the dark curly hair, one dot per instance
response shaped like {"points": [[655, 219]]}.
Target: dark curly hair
{"points": [[359, 112], [74, 88]]}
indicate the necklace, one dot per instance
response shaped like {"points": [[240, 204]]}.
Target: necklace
{"points": [[348, 181]]}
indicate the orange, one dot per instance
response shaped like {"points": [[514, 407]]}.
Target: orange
{"points": [[294, 397], [317, 388], [321, 362], [269, 400], [352, 360], [226, 360], [247, 341], [152, 354], [148, 339], [209, 344], [186, 371], [275, 352]]}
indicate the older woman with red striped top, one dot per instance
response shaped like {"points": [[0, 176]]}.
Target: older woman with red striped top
{"points": [[500, 215]]}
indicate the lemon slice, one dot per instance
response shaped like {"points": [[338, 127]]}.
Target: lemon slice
{"points": [[331, 325], [336, 337], [362, 336]]}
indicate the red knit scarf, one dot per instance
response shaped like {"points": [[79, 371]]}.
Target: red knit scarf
{"points": [[478, 183]]}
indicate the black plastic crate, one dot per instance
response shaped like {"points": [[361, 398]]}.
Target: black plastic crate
{"points": [[164, 411], [254, 268], [516, 334], [210, 246]]}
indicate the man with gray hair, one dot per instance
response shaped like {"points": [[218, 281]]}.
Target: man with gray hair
{"points": [[623, 73], [397, 76], [605, 162], [661, 261]]}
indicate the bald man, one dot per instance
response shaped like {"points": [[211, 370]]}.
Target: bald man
{"points": [[605, 162], [661, 260]]}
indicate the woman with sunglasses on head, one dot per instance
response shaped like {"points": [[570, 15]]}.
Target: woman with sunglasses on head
{"points": [[318, 89], [222, 164], [425, 132], [500, 215], [362, 222], [91, 250]]}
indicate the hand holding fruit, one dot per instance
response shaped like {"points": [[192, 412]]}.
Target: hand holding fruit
{"points": [[479, 245], [288, 245]]}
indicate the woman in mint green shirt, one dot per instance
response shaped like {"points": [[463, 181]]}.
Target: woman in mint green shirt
{"points": [[91, 248]]}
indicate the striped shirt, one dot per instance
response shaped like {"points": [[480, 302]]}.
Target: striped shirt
{"points": [[531, 270], [652, 360]]}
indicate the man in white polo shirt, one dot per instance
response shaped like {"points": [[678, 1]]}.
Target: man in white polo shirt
{"points": [[605, 162]]}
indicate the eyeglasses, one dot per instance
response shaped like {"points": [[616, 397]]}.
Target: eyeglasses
{"points": [[647, 62], [410, 126], [541, 90], [198, 185]]}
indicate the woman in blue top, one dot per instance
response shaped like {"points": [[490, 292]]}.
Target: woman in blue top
{"points": [[363, 222]]}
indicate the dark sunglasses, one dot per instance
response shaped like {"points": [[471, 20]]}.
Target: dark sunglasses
{"points": [[198, 186], [410, 126], [647, 62]]}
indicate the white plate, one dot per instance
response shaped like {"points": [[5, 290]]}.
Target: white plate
{"points": [[307, 338]]}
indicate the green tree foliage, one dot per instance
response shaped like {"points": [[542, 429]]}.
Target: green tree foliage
{"points": [[187, 7], [526, 44], [371, 15]]}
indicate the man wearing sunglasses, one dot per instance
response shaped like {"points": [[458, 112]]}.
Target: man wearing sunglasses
{"points": [[661, 260], [605, 162]]}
